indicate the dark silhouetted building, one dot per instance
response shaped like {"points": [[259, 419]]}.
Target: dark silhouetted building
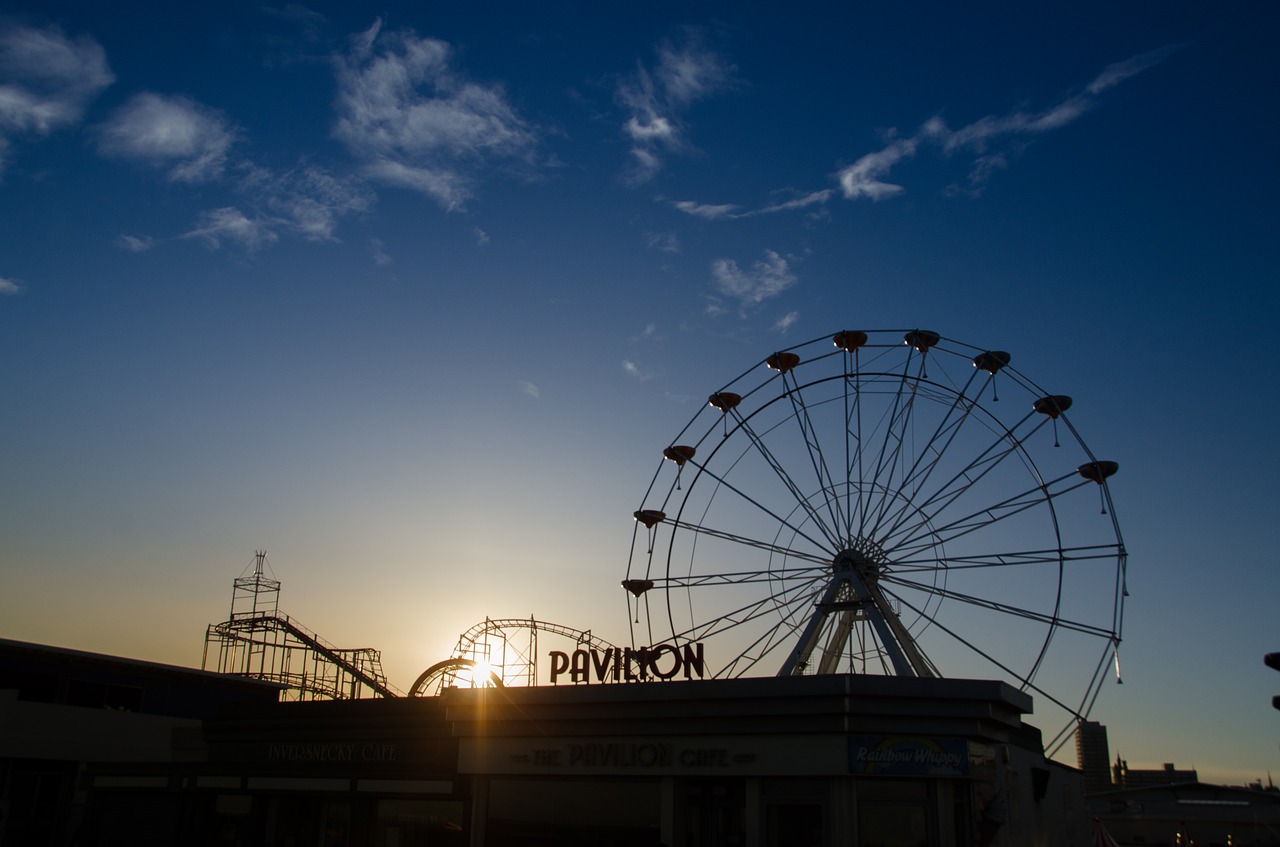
{"points": [[1093, 757], [157, 755], [62, 711], [1190, 813], [1127, 777]]}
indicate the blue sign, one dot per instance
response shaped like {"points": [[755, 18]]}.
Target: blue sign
{"points": [[908, 755]]}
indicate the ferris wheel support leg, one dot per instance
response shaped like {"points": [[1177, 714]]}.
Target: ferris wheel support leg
{"points": [[835, 644], [903, 653], [798, 660]]}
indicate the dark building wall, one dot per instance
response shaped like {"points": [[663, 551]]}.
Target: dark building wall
{"points": [[1190, 813], [43, 674], [63, 710]]}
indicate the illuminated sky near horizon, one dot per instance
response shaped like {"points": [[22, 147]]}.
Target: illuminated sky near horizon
{"points": [[413, 298]]}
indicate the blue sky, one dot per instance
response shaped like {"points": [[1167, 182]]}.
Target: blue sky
{"points": [[414, 297]]}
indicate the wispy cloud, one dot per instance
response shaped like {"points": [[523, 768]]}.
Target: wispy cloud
{"points": [[1118, 72], [136, 243], [666, 242], [785, 322], [732, 211], [632, 369], [656, 97], [308, 200], [706, 210], [309, 21], [9, 286], [46, 81], [169, 131], [415, 122], [193, 143], [865, 178], [229, 224], [529, 388], [381, 257], [768, 277], [980, 171], [813, 198]]}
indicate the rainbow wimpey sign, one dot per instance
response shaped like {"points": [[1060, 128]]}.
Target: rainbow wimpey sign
{"points": [[908, 755]]}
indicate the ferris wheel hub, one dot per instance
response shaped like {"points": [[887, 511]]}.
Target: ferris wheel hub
{"points": [[864, 557]]}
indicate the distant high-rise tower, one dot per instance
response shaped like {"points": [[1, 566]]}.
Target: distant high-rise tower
{"points": [[1093, 756]]}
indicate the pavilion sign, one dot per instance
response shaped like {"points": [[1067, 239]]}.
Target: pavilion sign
{"points": [[628, 664]]}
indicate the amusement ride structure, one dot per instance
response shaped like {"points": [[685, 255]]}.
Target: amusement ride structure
{"points": [[500, 652], [261, 642], [885, 502]]}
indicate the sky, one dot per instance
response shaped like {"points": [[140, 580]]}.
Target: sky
{"points": [[413, 297]]}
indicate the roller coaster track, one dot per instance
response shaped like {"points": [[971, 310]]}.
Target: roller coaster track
{"points": [[507, 650], [258, 634], [471, 636]]}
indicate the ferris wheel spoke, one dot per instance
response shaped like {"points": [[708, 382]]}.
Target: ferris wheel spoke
{"points": [[791, 552], [857, 434], [827, 530], [901, 428], [992, 514], [1092, 690], [1005, 444], [852, 436], [887, 440], [1007, 560], [914, 511], [930, 454], [759, 649], [749, 612], [891, 447], [867, 432], [720, 480], [1053, 620], [1025, 680], [740, 577], [864, 650], [966, 479], [809, 434], [783, 629]]}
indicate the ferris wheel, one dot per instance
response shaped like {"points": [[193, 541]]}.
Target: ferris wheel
{"points": [[886, 502]]}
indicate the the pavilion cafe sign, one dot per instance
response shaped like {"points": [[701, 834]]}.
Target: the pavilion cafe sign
{"points": [[627, 664]]}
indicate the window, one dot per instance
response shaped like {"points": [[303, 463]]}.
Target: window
{"points": [[420, 823], [894, 813], [711, 812], [796, 812], [101, 695], [573, 813]]}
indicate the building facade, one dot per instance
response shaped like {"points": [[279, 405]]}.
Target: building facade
{"points": [[1190, 813], [825, 760], [1093, 756], [1127, 777], [62, 711]]}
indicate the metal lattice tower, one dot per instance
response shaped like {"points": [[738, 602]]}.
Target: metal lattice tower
{"points": [[258, 641]]}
